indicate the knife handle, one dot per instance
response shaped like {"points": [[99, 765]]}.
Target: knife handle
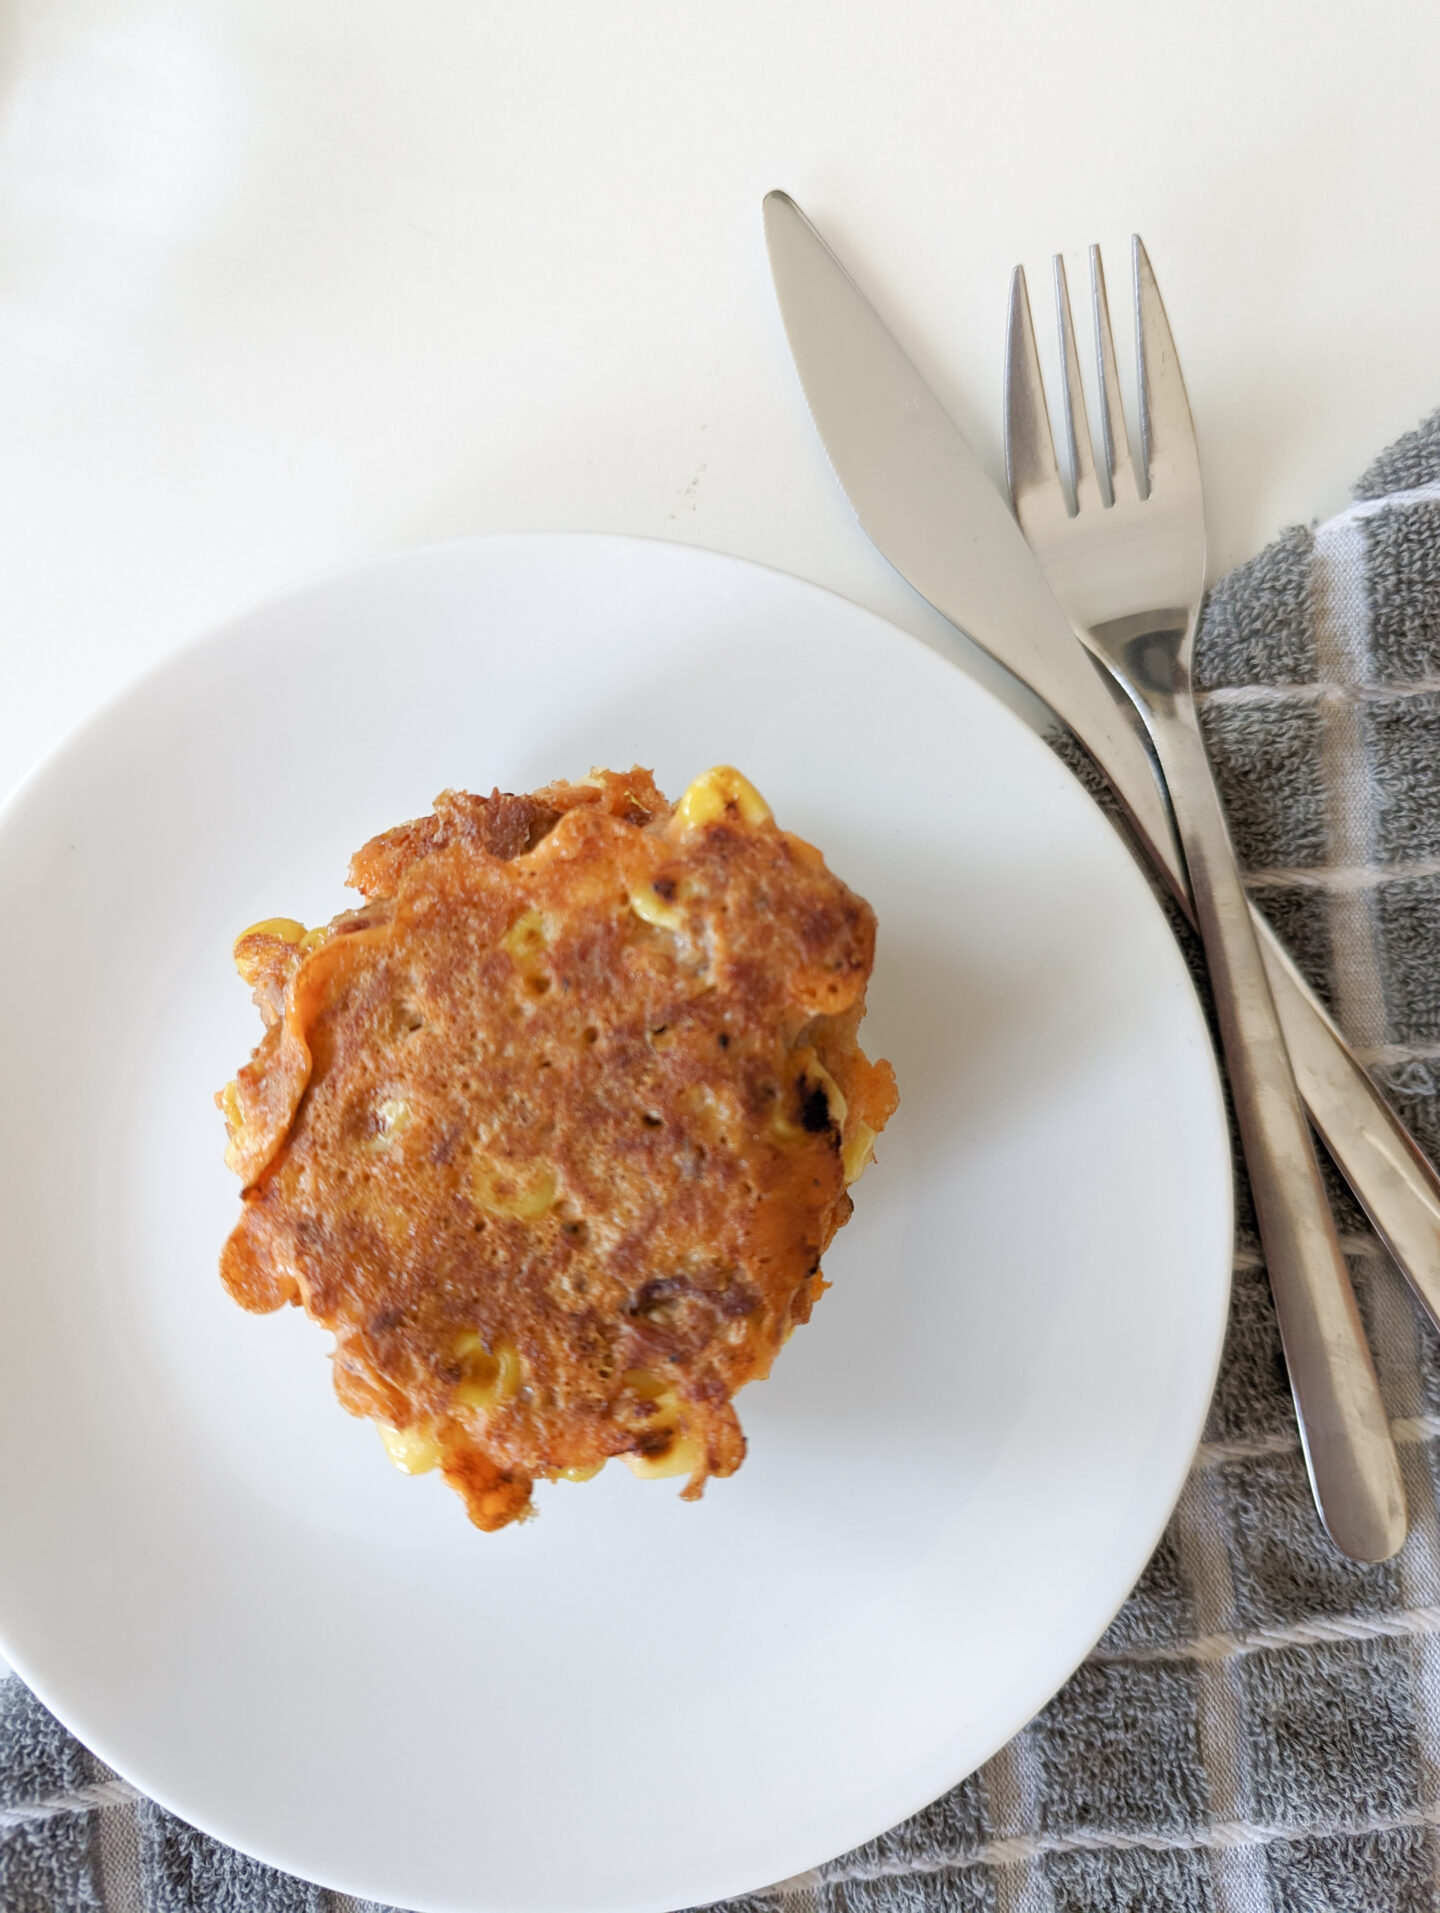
{"points": [[1393, 1182]]}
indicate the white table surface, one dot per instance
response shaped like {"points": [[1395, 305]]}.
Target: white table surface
{"points": [[285, 283]]}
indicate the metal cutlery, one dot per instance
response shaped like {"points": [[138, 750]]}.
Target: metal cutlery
{"points": [[929, 505], [1130, 571]]}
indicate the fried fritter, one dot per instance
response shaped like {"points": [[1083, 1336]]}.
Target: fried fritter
{"points": [[553, 1131]]}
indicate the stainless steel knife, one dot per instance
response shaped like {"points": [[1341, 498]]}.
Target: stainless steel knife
{"points": [[926, 501]]}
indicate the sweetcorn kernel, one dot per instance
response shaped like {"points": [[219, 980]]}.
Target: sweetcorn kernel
{"points": [[277, 929], [811, 1074], [682, 1457], [525, 1192], [393, 1116], [285, 928], [490, 1379], [858, 1152], [414, 1451], [234, 1126], [816, 1072], [654, 909], [650, 1386], [527, 936], [716, 791], [684, 1453]]}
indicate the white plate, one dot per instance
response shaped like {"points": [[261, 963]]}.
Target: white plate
{"points": [[213, 1574]]}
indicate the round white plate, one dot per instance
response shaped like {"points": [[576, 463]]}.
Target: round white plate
{"points": [[213, 1574]]}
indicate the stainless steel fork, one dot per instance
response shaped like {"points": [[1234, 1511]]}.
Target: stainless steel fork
{"points": [[1129, 569]]}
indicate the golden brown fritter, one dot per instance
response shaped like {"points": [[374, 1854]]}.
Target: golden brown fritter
{"points": [[554, 1130]]}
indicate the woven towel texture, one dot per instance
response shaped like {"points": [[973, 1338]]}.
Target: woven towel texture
{"points": [[1259, 1730]]}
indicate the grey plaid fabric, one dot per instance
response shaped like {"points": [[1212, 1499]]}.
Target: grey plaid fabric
{"points": [[1259, 1730]]}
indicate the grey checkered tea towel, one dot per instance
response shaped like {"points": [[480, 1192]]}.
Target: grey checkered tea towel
{"points": [[1259, 1731]]}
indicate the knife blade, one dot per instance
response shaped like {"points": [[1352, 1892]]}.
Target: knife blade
{"points": [[923, 498], [927, 503]]}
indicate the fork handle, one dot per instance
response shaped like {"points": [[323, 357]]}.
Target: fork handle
{"points": [[1392, 1180], [1344, 1430]]}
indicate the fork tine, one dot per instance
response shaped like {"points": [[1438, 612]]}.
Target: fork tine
{"points": [[1167, 431], [1116, 440], [1077, 421], [1030, 465]]}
